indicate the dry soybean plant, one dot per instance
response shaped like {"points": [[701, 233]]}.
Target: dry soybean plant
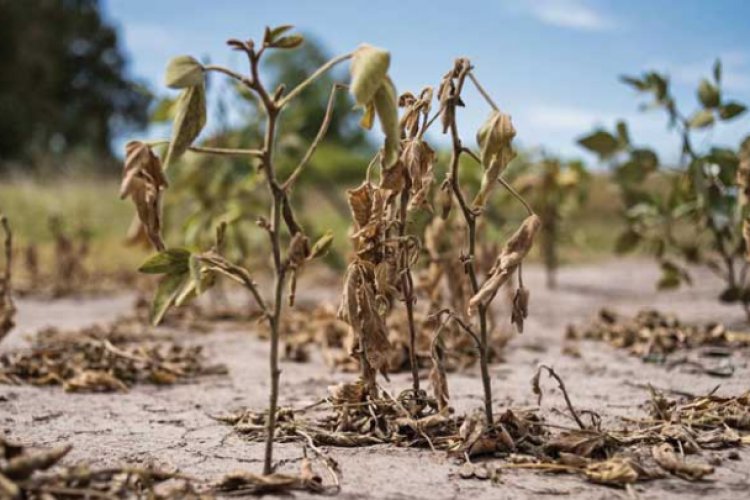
{"points": [[384, 248], [7, 308], [187, 273]]}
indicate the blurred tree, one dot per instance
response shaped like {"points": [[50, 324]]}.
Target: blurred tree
{"points": [[63, 85]]}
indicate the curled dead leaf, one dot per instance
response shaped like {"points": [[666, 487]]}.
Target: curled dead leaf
{"points": [[511, 255]]}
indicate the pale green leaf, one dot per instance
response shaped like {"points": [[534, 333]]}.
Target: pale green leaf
{"points": [[184, 72], [188, 123], [170, 261], [368, 69]]}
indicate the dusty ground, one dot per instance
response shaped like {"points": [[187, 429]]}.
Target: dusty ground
{"points": [[171, 426]]}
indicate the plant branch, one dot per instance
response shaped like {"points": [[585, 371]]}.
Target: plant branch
{"points": [[318, 138], [221, 69], [320, 71], [482, 91]]}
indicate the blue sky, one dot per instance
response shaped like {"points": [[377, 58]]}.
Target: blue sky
{"points": [[552, 64]]}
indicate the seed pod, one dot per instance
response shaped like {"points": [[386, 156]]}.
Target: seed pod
{"points": [[368, 69], [184, 72], [507, 262]]}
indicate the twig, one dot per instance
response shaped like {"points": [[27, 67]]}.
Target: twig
{"points": [[299, 88], [561, 384], [318, 138]]}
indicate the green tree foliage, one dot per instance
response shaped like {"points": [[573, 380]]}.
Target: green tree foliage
{"points": [[63, 85]]}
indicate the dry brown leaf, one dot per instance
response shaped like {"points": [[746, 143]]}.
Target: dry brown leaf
{"points": [[507, 262], [665, 456], [143, 181]]}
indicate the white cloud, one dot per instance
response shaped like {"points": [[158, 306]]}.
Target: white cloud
{"points": [[573, 14]]}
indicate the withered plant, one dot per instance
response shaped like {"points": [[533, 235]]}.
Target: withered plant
{"points": [[7, 308], [494, 139], [188, 273], [553, 187], [385, 249]]}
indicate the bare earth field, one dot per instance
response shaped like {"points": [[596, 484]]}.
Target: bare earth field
{"points": [[171, 426]]}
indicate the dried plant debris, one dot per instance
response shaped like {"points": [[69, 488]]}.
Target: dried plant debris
{"points": [[319, 328], [36, 474], [243, 482], [104, 359], [659, 445], [7, 308], [653, 336]]}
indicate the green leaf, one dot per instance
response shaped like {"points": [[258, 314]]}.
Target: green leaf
{"points": [[708, 94], [671, 276], [167, 292], [368, 69], [702, 119], [731, 110], [636, 83], [170, 261], [600, 142], [288, 42], [321, 247], [184, 72], [188, 123], [163, 112], [274, 33]]}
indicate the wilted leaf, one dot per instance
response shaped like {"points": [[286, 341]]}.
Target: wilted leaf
{"points": [[188, 122], [368, 69], [184, 72], [386, 107], [507, 262]]}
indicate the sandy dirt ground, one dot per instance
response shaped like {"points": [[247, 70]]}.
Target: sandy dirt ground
{"points": [[171, 426]]}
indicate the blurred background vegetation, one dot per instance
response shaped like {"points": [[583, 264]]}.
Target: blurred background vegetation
{"points": [[70, 99]]}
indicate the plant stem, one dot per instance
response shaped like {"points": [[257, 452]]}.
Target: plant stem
{"points": [[470, 266], [272, 113], [407, 285], [299, 88]]}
